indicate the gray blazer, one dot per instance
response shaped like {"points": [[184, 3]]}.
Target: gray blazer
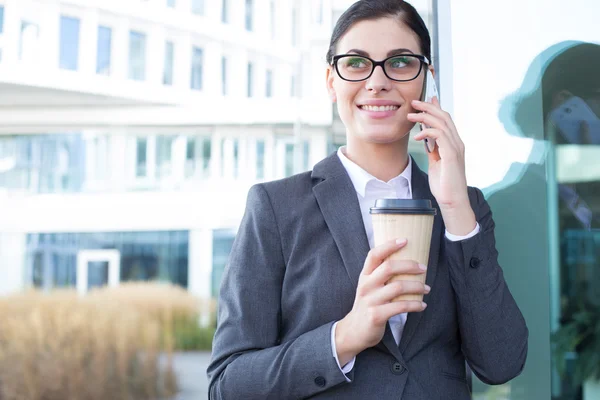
{"points": [[293, 272]]}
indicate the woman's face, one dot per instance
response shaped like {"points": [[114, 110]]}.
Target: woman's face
{"points": [[378, 39]]}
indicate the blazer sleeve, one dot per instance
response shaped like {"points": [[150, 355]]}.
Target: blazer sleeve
{"points": [[493, 331], [248, 359]]}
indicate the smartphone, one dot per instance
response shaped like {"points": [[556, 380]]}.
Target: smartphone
{"points": [[430, 91], [568, 119]]}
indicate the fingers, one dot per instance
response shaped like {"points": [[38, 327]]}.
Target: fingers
{"points": [[391, 268], [378, 254], [386, 311], [395, 289], [433, 116]]}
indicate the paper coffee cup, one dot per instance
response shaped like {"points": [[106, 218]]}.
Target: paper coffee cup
{"points": [[411, 219]]}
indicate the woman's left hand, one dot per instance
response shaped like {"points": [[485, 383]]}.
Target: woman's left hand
{"points": [[447, 177]]}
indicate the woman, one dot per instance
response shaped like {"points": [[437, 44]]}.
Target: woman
{"points": [[304, 310]]}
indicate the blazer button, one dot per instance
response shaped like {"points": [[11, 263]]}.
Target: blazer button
{"points": [[320, 381], [475, 262], [397, 368]]}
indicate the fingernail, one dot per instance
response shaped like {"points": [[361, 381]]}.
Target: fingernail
{"points": [[424, 305], [423, 267], [400, 241], [427, 288], [415, 101]]}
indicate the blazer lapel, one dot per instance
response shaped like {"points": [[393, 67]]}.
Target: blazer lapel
{"points": [[339, 205], [420, 187]]}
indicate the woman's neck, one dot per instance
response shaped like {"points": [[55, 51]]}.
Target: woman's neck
{"points": [[383, 161]]}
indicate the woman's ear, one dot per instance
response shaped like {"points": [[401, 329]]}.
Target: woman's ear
{"points": [[329, 83], [432, 69]]}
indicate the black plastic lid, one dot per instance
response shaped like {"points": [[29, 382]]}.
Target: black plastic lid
{"points": [[403, 206]]}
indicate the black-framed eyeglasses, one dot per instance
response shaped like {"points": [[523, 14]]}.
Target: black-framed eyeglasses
{"points": [[400, 67]]}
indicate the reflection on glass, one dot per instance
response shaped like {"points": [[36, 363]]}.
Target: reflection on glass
{"points": [[572, 110], [169, 59], [104, 50], [137, 56]]}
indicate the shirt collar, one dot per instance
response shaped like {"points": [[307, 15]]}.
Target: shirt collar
{"points": [[360, 178]]}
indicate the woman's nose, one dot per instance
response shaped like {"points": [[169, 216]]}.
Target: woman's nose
{"points": [[378, 81]]}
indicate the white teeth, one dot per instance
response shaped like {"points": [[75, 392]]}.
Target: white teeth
{"points": [[379, 108]]}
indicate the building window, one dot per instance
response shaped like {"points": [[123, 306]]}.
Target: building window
{"points": [[171, 3], [293, 86], [225, 12], [269, 84], [141, 169], [197, 56], [197, 156], [28, 46], [260, 159], [164, 146], [198, 7], [249, 14], [236, 158], [289, 159], [104, 50], [168, 67], [137, 56], [69, 43], [250, 73], [272, 10], [305, 154], [294, 26], [221, 247], [1, 18], [224, 76]]}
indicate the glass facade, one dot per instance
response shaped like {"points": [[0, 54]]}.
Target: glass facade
{"points": [[51, 258], [104, 50], [69, 43]]}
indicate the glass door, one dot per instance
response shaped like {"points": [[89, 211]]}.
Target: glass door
{"points": [[97, 268]]}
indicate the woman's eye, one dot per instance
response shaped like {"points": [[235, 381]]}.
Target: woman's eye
{"points": [[400, 62], [356, 63]]}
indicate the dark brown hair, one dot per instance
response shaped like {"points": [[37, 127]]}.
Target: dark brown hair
{"points": [[374, 9]]}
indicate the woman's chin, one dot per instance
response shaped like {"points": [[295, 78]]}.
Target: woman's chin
{"points": [[386, 137]]}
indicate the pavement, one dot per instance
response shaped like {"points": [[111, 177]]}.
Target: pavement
{"points": [[190, 368]]}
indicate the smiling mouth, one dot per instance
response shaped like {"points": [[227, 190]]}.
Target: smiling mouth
{"points": [[379, 108]]}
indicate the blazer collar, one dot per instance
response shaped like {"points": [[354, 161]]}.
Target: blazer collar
{"points": [[337, 199]]}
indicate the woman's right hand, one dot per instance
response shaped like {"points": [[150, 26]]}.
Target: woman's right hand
{"points": [[364, 326]]}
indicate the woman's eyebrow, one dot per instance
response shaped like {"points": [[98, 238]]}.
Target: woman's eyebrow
{"points": [[390, 53]]}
